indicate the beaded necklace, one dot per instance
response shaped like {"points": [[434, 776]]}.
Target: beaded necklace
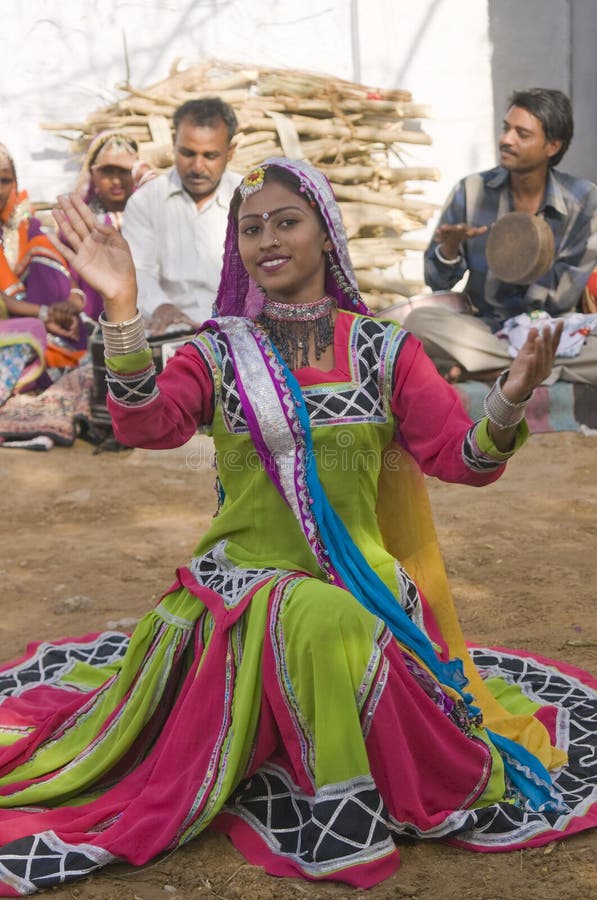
{"points": [[290, 326]]}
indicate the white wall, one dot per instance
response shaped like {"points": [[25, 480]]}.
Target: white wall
{"points": [[439, 50], [61, 59]]}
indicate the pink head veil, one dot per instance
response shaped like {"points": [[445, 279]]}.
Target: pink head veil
{"points": [[239, 295]]}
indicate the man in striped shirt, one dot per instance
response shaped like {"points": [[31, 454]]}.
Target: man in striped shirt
{"points": [[536, 133]]}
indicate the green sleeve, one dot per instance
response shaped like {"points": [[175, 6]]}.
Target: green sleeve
{"points": [[486, 445], [127, 363]]}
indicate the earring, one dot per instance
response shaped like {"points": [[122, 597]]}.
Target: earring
{"points": [[341, 280]]}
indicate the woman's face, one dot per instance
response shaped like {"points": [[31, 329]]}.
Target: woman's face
{"points": [[113, 179], [282, 244], [7, 180]]}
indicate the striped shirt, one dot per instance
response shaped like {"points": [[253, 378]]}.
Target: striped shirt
{"points": [[569, 207]]}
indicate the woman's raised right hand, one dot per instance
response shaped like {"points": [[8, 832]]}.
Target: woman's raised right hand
{"points": [[99, 253]]}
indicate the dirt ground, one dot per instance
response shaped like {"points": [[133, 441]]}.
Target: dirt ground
{"points": [[89, 541]]}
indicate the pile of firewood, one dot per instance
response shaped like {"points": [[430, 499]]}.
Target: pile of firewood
{"points": [[356, 134]]}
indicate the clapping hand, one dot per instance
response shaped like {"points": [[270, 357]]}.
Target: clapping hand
{"points": [[99, 253], [450, 237]]}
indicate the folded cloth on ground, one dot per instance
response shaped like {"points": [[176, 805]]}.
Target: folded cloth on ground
{"points": [[58, 413], [576, 328]]}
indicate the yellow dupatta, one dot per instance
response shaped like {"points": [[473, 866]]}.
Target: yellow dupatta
{"points": [[413, 541]]}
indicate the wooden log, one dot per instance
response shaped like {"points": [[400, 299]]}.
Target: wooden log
{"points": [[250, 157], [334, 149], [360, 194], [249, 139], [377, 301], [160, 130], [326, 107], [363, 219], [159, 156], [380, 259], [324, 128], [307, 83], [372, 244], [63, 126], [194, 76], [146, 107], [387, 283], [408, 173], [351, 174]]}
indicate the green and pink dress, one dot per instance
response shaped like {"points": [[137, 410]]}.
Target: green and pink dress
{"points": [[299, 687]]}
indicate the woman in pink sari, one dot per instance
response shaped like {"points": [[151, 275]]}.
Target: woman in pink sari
{"points": [[304, 685]]}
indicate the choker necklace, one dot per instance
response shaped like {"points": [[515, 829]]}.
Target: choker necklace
{"points": [[290, 326]]}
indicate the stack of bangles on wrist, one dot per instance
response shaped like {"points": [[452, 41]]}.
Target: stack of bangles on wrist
{"points": [[123, 337], [500, 411]]}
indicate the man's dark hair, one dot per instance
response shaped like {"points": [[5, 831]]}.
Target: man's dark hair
{"points": [[554, 111], [207, 112]]}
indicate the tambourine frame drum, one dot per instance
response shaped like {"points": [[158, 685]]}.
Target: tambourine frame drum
{"points": [[520, 248]]}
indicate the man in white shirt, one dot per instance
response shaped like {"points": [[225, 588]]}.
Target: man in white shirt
{"points": [[176, 223]]}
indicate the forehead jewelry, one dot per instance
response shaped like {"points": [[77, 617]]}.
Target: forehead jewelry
{"points": [[252, 182]]}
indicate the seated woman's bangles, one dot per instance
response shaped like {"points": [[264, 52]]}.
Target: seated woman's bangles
{"points": [[123, 337], [501, 411]]}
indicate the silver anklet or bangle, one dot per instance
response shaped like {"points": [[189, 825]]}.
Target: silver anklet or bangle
{"points": [[501, 411], [448, 262], [123, 337]]}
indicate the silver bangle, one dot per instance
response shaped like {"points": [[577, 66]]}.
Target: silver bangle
{"points": [[118, 326], [500, 411], [42, 313], [448, 262], [123, 337]]}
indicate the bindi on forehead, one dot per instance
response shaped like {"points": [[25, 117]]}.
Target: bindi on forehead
{"points": [[267, 215]]}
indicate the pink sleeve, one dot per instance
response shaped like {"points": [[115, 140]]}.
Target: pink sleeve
{"points": [[432, 422], [183, 401]]}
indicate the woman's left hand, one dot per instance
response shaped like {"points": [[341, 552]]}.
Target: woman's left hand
{"points": [[63, 321], [533, 363]]}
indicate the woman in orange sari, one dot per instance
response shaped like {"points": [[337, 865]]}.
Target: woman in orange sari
{"points": [[39, 325], [110, 173]]}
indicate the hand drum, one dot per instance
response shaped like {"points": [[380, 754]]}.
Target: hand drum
{"points": [[520, 248]]}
